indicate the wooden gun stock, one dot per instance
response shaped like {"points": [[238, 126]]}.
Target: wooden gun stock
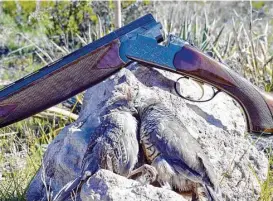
{"points": [[257, 105]]}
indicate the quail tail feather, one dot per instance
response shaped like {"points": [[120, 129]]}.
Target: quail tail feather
{"points": [[72, 187], [213, 195], [68, 189]]}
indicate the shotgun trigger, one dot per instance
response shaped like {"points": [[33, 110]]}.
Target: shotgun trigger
{"points": [[204, 97]]}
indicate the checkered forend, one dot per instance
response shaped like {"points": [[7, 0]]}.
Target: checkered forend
{"points": [[67, 76]]}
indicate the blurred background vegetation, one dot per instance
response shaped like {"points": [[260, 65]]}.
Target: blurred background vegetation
{"points": [[35, 33]]}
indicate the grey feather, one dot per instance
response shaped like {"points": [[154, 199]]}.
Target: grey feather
{"points": [[179, 154], [113, 146]]}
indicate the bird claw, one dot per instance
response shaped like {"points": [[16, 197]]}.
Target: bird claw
{"points": [[147, 171]]}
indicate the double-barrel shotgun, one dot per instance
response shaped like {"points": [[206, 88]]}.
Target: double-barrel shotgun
{"points": [[140, 41]]}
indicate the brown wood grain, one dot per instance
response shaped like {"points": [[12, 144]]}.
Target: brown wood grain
{"points": [[257, 106]]}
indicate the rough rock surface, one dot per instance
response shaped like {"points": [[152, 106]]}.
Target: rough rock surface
{"points": [[217, 125], [105, 185]]}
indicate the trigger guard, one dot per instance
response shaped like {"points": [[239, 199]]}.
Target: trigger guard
{"points": [[215, 91]]}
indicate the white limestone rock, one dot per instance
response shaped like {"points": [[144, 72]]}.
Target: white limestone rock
{"points": [[218, 126], [105, 185]]}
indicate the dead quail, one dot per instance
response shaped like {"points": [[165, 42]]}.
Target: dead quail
{"points": [[177, 156], [113, 145]]}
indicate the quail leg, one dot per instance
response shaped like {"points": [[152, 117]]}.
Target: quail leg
{"points": [[200, 191], [148, 174], [195, 195]]}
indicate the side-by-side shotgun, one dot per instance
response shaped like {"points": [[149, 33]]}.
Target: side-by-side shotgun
{"points": [[138, 41]]}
